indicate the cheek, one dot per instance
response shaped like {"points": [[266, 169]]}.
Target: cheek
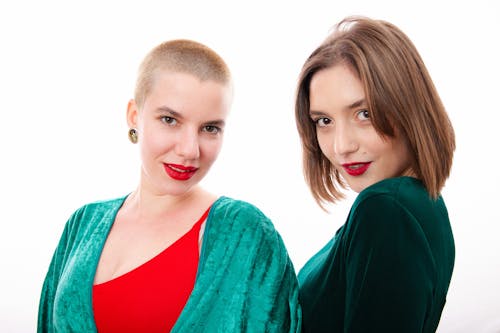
{"points": [[149, 144], [147, 150], [373, 143], [403, 155], [155, 143], [211, 149], [326, 145]]}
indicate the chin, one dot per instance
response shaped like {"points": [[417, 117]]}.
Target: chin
{"points": [[178, 189], [358, 186], [357, 189]]}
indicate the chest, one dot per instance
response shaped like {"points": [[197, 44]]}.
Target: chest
{"points": [[322, 283], [130, 243]]}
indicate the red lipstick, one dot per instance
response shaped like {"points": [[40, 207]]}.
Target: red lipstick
{"points": [[179, 172], [356, 168]]}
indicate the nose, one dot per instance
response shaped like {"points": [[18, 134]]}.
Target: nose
{"points": [[344, 141], [187, 145]]}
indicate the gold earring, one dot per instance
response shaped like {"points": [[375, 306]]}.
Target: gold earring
{"points": [[132, 135]]}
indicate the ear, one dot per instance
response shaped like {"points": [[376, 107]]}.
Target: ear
{"points": [[132, 114]]}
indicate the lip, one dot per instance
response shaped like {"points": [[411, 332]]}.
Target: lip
{"points": [[356, 168], [179, 172]]}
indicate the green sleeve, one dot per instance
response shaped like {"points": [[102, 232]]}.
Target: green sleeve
{"points": [[260, 278], [246, 282], [274, 272], [390, 271], [49, 288], [273, 300], [46, 310]]}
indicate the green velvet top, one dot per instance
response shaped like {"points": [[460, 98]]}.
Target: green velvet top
{"points": [[387, 269], [245, 280]]}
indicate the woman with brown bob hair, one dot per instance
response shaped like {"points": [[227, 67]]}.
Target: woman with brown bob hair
{"points": [[370, 119]]}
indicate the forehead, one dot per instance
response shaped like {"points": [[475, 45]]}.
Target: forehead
{"points": [[335, 87], [187, 95]]}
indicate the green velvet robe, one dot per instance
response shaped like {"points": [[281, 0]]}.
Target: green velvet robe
{"points": [[245, 281], [387, 269]]}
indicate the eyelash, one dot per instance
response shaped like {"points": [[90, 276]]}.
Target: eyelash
{"points": [[324, 121], [320, 122], [210, 129], [363, 112], [169, 120]]}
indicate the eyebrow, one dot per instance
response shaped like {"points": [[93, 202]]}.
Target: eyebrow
{"points": [[178, 115], [351, 106], [356, 104], [163, 109], [218, 123]]}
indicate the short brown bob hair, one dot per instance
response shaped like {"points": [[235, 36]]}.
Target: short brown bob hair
{"points": [[182, 56], [400, 95]]}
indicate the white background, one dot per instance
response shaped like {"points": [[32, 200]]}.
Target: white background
{"points": [[67, 70]]}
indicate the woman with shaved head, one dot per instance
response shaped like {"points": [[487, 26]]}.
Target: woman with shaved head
{"points": [[171, 256]]}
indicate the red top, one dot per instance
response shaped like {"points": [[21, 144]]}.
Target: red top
{"points": [[150, 297]]}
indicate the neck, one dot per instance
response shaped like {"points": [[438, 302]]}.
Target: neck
{"points": [[409, 173], [146, 204]]}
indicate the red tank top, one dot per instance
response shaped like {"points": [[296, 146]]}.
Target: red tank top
{"points": [[150, 297]]}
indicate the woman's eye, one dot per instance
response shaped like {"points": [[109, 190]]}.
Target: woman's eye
{"points": [[169, 120], [363, 115], [211, 129], [321, 122]]}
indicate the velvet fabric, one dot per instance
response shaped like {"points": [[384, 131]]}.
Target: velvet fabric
{"points": [[245, 280], [387, 269]]}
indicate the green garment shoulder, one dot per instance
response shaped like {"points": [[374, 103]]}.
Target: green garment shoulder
{"points": [[245, 281], [387, 269]]}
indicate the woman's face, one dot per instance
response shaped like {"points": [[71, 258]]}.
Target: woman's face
{"points": [[345, 133], [180, 130]]}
